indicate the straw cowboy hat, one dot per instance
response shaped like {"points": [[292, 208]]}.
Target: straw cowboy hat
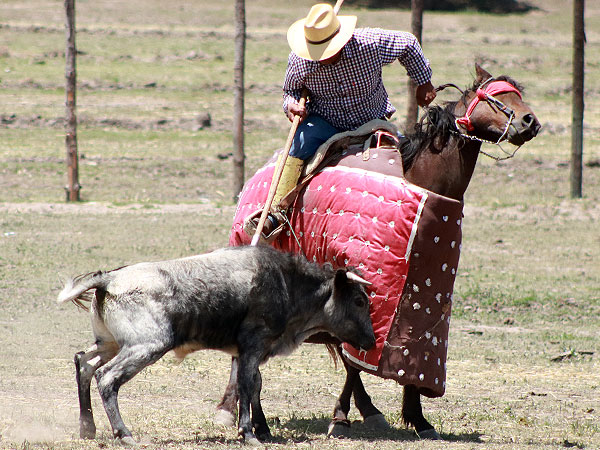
{"points": [[321, 34]]}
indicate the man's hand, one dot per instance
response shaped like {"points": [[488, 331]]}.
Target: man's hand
{"points": [[294, 109], [425, 94]]}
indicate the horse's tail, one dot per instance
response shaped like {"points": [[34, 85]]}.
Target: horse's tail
{"points": [[76, 289]]}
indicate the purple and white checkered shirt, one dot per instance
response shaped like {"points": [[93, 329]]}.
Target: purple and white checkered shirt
{"points": [[350, 92]]}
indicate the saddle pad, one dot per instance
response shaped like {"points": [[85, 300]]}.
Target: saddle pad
{"points": [[338, 219], [349, 216]]}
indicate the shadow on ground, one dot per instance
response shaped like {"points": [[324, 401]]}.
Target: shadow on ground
{"points": [[302, 427]]}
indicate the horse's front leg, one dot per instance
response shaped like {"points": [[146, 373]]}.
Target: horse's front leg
{"points": [[412, 414], [227, 408], [372, 417]]}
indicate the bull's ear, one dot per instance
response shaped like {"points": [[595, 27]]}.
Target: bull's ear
{"points": [[340, 279]]}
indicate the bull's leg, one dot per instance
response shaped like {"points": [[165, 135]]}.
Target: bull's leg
{"points": [[340, 425], [259, 421], [86, 364], [247, 383], [227, 409], [372, 417], [122, 368], [412, 414]]}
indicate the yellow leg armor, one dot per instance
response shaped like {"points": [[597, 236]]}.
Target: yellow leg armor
{"points": [[288, 181]]}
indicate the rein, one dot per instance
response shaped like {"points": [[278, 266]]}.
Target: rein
{"points": [[487, 95]]}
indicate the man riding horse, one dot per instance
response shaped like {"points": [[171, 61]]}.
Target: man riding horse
{"points": [[341, 68]]}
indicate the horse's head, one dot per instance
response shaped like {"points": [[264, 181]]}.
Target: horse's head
{"points": [[494, 110]]}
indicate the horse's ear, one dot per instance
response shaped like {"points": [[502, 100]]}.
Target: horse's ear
{"points": [[482, 74]]}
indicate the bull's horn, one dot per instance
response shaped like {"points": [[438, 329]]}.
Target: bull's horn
{"points": [[353, 277]]}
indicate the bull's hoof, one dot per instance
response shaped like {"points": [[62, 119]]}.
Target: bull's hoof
{"points": [[253, 442], [376, 422], [224, 418], [263, 435], [128, 441], [87, 430], [430, 434], [339, 430], [249, 438]]}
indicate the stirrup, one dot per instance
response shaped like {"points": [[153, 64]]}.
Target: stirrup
{"points": [[251, 223]]}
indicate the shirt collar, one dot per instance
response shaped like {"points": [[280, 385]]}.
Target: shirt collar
{"points": [[347, 52]]}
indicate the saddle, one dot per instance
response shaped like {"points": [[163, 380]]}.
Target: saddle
{"points": [[374, 135], [364, 142]]}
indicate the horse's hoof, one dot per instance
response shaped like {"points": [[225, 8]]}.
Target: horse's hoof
{"points": [[376, 422], [128, 441], [338, 430], [224, 418], [430, 434]]}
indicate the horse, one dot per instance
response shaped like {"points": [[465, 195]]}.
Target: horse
{"points": [[437, 158]]}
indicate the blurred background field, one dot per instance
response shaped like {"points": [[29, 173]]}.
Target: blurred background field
{"points": [[150, 76]]}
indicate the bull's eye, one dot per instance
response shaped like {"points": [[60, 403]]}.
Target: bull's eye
{"points": [[360, 302]]}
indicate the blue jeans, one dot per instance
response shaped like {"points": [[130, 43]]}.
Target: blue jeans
{"points": [[311, 133]]}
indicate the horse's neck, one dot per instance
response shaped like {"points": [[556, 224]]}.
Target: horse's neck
{"points": [[447, 172]]}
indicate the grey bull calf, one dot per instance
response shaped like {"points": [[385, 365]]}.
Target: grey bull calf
{"points": [[253, 302]]}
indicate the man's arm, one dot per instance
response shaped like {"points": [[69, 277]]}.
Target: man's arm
{"points": [[405, 48], [292, 89]]}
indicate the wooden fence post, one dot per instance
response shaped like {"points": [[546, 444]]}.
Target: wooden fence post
{"points": [[73, 187], [578, 105], [238, 103], [412, 113]]}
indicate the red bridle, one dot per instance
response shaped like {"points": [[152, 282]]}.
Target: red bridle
{"points": [[487, 94]]}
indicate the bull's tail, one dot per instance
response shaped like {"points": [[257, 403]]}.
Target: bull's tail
{"points": [[76, 289]]}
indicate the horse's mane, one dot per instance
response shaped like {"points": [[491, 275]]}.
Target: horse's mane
{"points": [[437, 125]]}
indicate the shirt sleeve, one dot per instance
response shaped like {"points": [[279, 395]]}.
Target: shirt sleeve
{"points": [[404, 47], [293, 82]]}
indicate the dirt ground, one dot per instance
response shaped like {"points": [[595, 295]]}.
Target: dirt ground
{"points": [[504, 388]]}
